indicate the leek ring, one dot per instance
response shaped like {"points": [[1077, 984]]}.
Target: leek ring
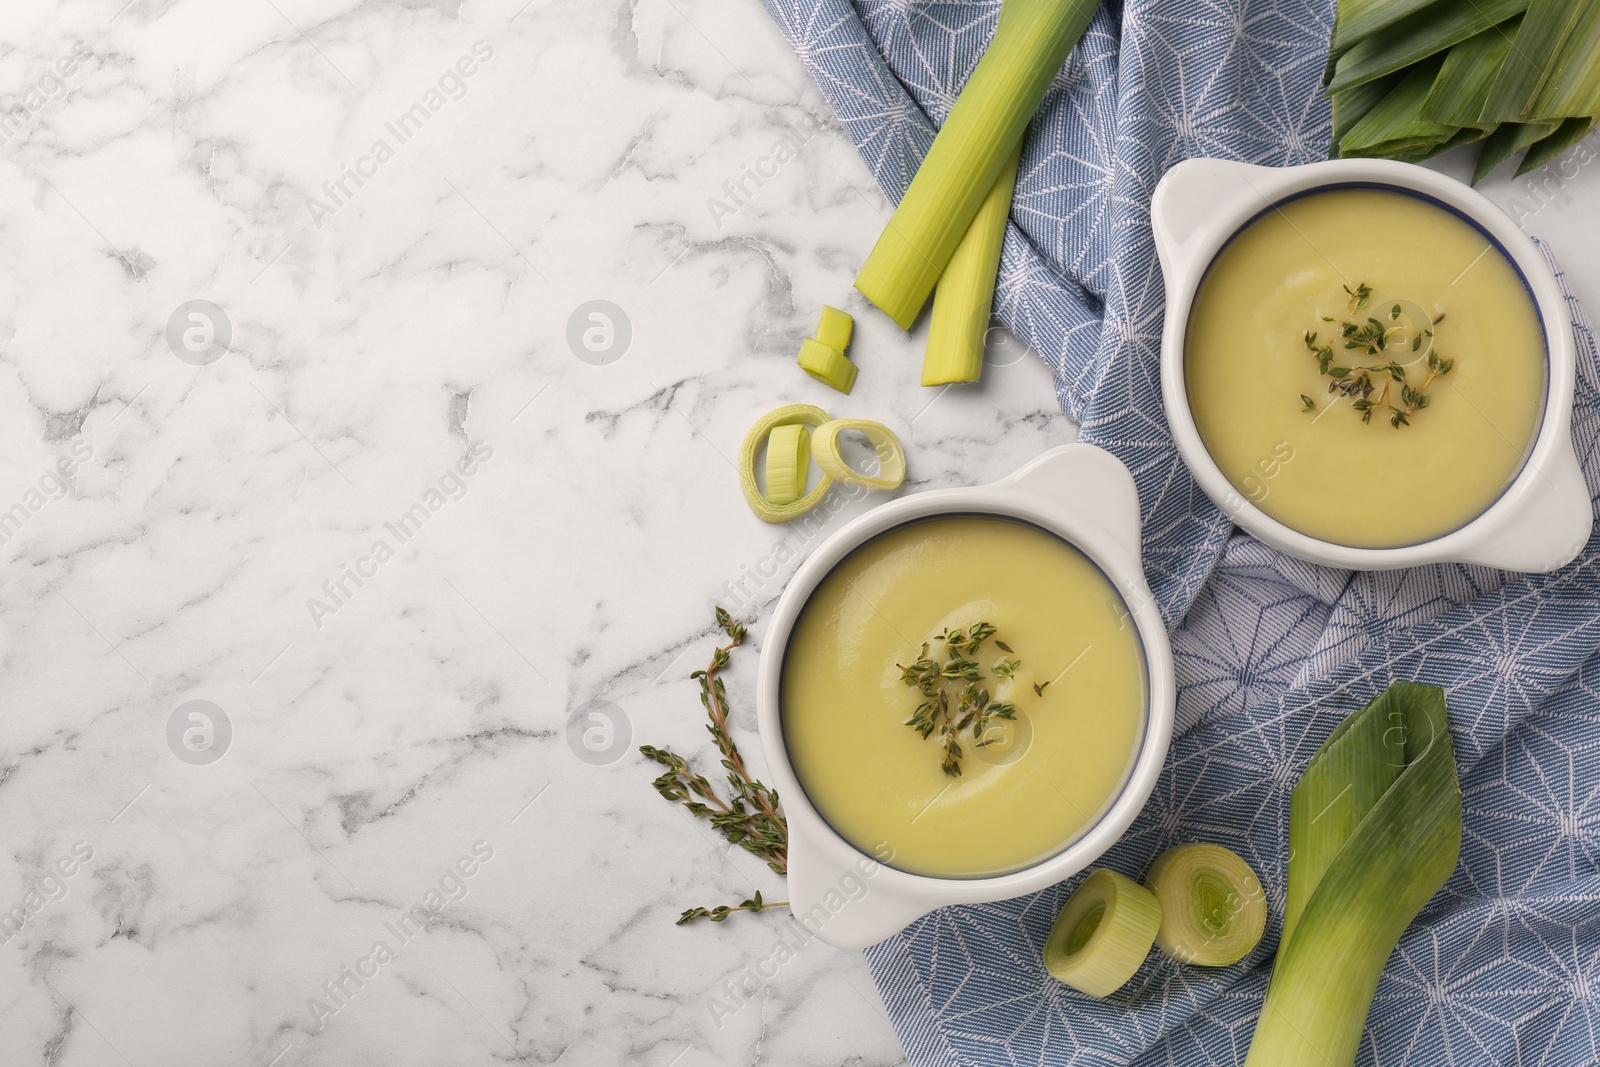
{"points": [[790, 414], [891, 457]]}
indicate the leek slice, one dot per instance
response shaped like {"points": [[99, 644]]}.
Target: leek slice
{"points": [[827, 365], [1419, 36], [965, 297], [766, 510], [1103, 934], [1031, 42], [891, 457], [788, 456], [1213, 910], [1374, 832], [834, 329]]}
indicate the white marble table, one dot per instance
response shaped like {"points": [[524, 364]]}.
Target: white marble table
{"points": [[398, 532]]}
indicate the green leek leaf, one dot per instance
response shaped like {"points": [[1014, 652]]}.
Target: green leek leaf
{"points": [[1394, 123], [1469, 72], [1374, 833], [964, 298], [1507, 141], [1467, 135], [1573, 88], [1570, 133], [1358, 19], [1433, 29], [1545, 30], [1350, 105]]}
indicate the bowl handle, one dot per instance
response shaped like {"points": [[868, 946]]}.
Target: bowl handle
{"points": [[844, 903], [1550, 524], [1093, 477], [1193, 193]]}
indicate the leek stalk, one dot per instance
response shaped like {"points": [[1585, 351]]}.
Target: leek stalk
{"points": [[1030, 44], [1374, 832], [965, 297]]}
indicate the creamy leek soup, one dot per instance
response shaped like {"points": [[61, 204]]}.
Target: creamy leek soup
{"points": [[1366, 366], [1059, 651]]}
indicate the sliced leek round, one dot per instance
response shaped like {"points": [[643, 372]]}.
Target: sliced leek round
{"points": [[1103, 934], [827, 365], [765, 509], [891, 457], [1213, 910], [788, 457]]}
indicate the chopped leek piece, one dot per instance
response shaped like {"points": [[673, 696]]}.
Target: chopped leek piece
{"points": [[1374, 832], [891, 457], [1213, 910], [1031, 42], [1103, 934], [834, 328], [765, 509], [965, 297], [788, 456], [827, 365]]}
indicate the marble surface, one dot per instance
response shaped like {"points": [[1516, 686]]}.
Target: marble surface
{"points": [[301, 425]]}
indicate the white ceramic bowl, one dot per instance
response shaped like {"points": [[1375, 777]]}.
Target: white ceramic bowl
{"points": [[1543, 518], [1086, 497]]}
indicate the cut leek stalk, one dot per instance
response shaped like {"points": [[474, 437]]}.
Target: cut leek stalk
{"points": [[1030, 44], [827, 364], [1213, 910], [1530, 63], [1103, 934], [891, 457], [788, 457], [765, 509], [965, 297], [834, 329], [1374, 832]]}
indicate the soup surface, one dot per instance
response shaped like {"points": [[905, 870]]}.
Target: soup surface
{"points": [[1049, 773], [1289, 290]]}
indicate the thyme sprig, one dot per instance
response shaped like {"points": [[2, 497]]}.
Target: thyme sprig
{"points": [[958, 679], [750, 817], [1388, 379]]}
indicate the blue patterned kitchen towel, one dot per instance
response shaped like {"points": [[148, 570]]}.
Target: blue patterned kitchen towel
{"points": [[1503, 967]]}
